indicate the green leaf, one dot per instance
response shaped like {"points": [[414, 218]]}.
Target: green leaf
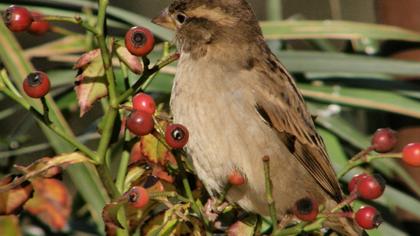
{"points": [[334, 30], [66, 45], [310, 61], [162, 83], [393, 196], [334, 148], [110, 214], [154, 150], [168, 227], [365, 98], [9, 225]]}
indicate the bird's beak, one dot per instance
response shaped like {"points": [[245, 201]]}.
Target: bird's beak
{"points": [[165, 20]]}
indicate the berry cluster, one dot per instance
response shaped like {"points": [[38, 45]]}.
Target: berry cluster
{"points": [[19, 19], [367, 187], [385, 139], [140, 122]]}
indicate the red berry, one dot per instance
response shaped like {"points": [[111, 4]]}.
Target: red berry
{"points": [[144, 102], [36, 84], [17, 19], [384, 140], [38, 26], [370, 187], [411, 154], [368, 217], [138, 197], [236, 178], [306, 209], [176, 135], [139, 41], [140, 123], [355, 181]]}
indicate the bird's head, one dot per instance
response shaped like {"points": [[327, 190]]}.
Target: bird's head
{"points": [[204, 22]]}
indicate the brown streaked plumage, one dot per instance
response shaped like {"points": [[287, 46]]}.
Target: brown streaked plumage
{"points": [[241, 104]]}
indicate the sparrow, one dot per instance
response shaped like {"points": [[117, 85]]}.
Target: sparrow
{"points": [[241, 104]]}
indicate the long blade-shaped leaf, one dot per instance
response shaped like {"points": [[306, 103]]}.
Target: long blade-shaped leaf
{"points": [[307, 61], [335, 30], [366, 98]]}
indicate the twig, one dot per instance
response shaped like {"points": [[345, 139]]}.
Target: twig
{"points": [[148, 72], [366, 159], [269, 192], [187, 187], [74, 20], [46, 111]]}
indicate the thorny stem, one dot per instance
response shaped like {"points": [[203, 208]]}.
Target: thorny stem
{"points": [[269, 192]]}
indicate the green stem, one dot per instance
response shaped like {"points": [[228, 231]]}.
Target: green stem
{"points": [[301, 227], [40, 117], [125, 156], [269, 192], [122, 169], [46, 111], [106, 178], [165, 54], [187, 187], [8, 83], [74, 20], [316, 225], [110, 116], [363, 160], [145, 76], [349, 199], [111, 113]]}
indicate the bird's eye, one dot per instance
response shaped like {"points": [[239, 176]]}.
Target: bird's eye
{"points": [[181, 18]]}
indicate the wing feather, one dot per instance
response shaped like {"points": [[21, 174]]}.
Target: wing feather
{"points": [[279, 99]]}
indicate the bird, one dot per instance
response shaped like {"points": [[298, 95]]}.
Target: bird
{"points": [[240, 104]]}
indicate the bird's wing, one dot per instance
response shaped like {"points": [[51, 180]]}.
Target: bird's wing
{"points": [[282, 106]]}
